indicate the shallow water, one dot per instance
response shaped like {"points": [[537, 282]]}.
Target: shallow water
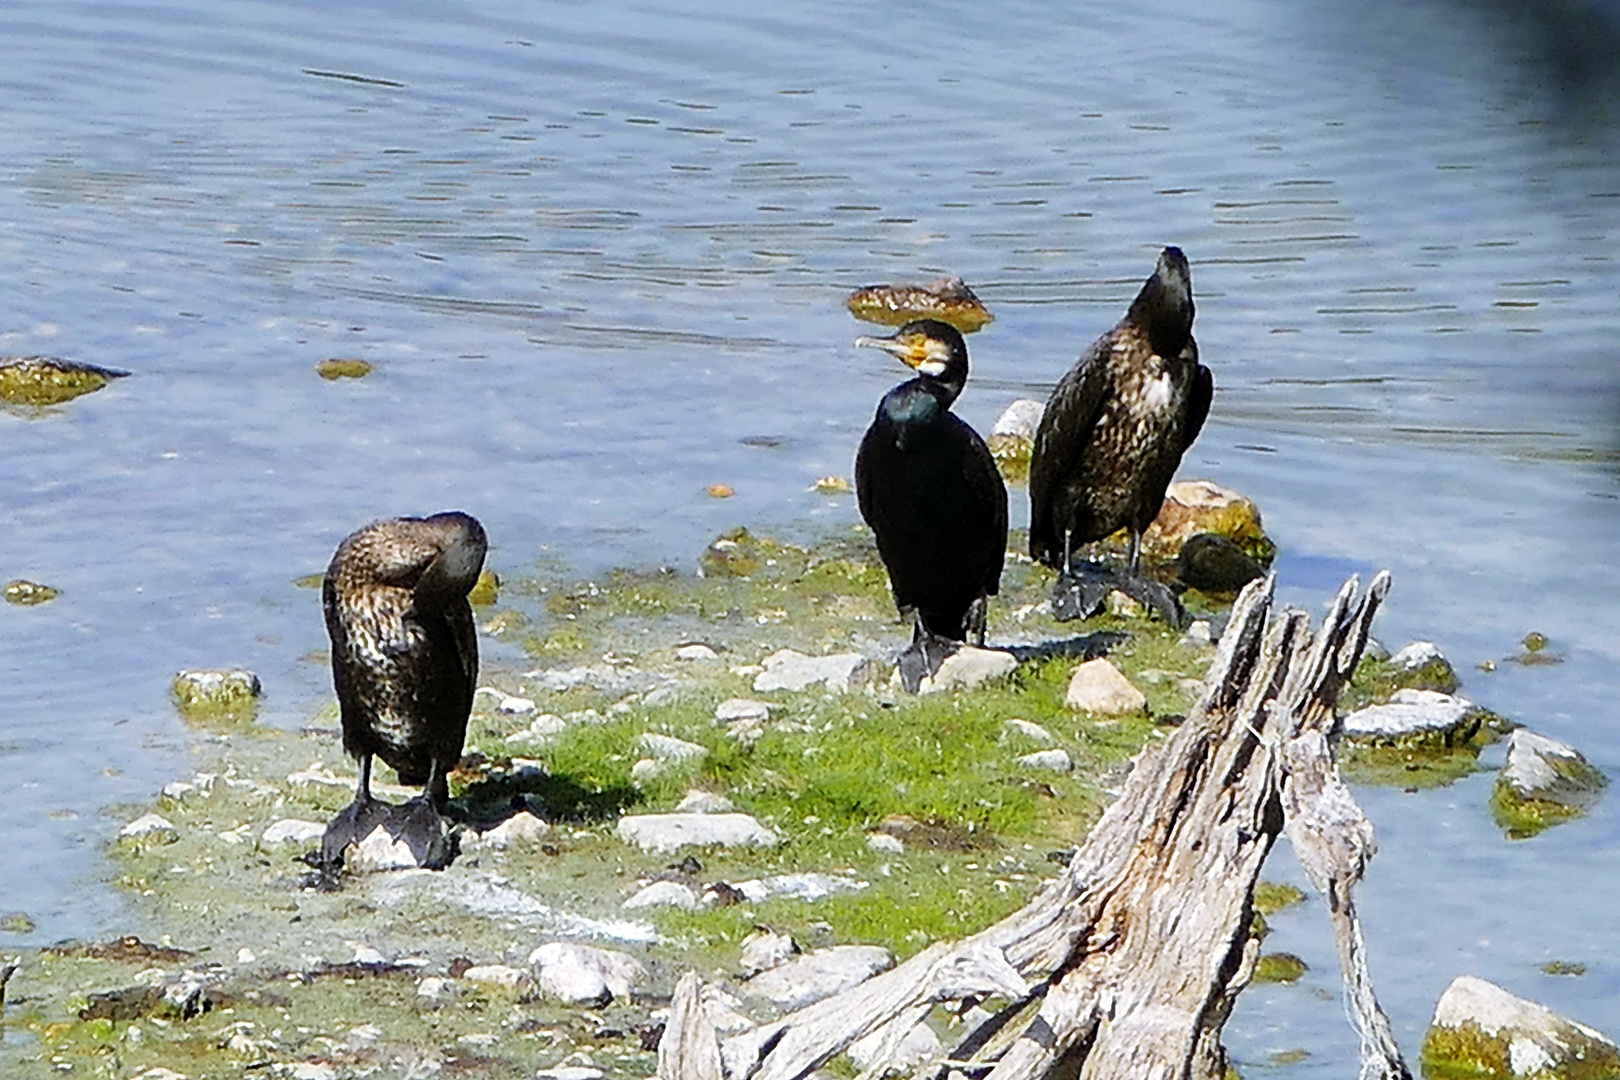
{"points": [[591, 249]]}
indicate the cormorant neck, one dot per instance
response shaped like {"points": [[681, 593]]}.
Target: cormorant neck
{"points": [[1164, 307]]}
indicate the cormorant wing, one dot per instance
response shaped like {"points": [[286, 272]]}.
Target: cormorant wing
{"points": [[1066, 429], [1199, 396], [984, 480]]}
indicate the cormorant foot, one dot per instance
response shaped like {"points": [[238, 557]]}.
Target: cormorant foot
{"points": [[1155, 596], [1082, 589], [353, 824], [922, 658], [433, 839]]}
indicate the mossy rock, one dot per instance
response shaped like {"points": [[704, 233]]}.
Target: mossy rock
{"points": [[1411, 768], [1012, 454], [486, 590], [215, 693], [28, 593], [1279, 968], [1543, 783], [947, 299], [1480, 1030], [1203, 506], [334, 369], [1271, 897], [45, 380]]}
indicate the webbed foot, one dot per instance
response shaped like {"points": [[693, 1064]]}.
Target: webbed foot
{"points": [[1082, 590], [432, 837], [922, 658]]}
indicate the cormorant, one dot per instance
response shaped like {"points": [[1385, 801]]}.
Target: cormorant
{"points": [[404, 665], [931, 492], [1114, 431]]}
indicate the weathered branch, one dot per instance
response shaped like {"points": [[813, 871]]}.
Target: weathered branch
{"points": [[1129, 963]]}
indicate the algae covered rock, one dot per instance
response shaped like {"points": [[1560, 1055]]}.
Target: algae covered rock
{"points": [[1417, 739], [1203, 506], [1481, 1030], [1012, 440], [486, 590], [1543, 782], [947, 299], [1420, 665], [28, 593], [1279, 968], [215, 692], [338, 368], [45, 380]]}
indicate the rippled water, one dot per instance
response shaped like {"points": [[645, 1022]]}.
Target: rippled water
{"points": [[593, 248]]}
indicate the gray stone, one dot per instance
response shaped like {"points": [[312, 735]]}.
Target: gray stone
{"points": [[1020, 419], [1409, 713], [664, 894], [508, 978], [806, 886], [786, 669], [734, 709], [1481, 1029], [664, 833], [765, 949], [293, 831], [1054, 760], [704, 802], [1416, 654], [819, 974], [667, 748], [1030, 730], [885, 843], [696, 651], [1548, 770], [520, 828], [573, 973], [378, 853], [1098, 688], [150, 827], [969, 666]]}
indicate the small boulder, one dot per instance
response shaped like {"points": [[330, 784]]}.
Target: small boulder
{"points": [[215, 690], [521, 828], [703, 802], [1215, 564], [1012, 440], [1479, 1029], [670, 750], [378, 853], [28, 593], [969, 666], [1416, 718], [820, 974], [664, 894], [885, 844], [575, 974], [1030, 730], [734, 709], [787, 669], [665, 833], [46, 380], [1098, 688], [1543, 782], [765, 949], [500, 975], [539, 730], [1203, 506], [1054, 760], [293, 831], [1421, 665], [695, 652]]}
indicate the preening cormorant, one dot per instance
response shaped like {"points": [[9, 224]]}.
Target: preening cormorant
{"points": [[1116, 426], [930, 490], [404, 665]]}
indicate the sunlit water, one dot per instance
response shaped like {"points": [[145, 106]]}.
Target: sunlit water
{"points": [[592, 248]]}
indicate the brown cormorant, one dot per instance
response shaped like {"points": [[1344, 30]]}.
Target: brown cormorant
{"points": [[1115, 428], [404, 665], [930, 490]]}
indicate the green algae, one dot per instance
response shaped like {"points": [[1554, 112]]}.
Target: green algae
{"points": [[28, 593], [1376, 681], [1271, 897], [1562, 967], [41, 381], [1469, 1052], [1521, 818], [486, 590], [334, 369], [1279, 968]]}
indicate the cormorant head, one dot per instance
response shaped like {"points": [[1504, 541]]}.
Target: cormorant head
{"points": [[934, 349], [1164, 307]]}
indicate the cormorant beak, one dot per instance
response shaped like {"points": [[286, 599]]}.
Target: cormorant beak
{"points": [[919, 351]]}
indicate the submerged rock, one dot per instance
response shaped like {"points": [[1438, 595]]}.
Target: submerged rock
{"points": [[947, 299], [1422, 718], [1203, 506], [787, 669], [215, 690], [1098, 687], [45, 380], [832, 485], [819, 974], [1543, 782], [1421, 665], [665, 833], [1479, 1029], [28, 593], [338, 368]]}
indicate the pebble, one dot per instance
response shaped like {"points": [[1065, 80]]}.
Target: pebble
{"points": [[883, 842], [1478, 1027], [509, 978], [292, 831], [574, 973], [704, 802], [666, 748], [765, 949], [1097, 687], [514, 706], [734, 709], [820, 974], [787, 669], [969, 666], [664, 894], [540, 729], [432, 987], [696, 651], [665, 833], [1029, 730], [1055, 760], [150, 827]]}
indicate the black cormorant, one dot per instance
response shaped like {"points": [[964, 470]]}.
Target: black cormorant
{"points": [[404, 664], [1115, 428], [930, 490]]}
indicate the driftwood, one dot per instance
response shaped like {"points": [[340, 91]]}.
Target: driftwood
{"points": [[1129, 963]]}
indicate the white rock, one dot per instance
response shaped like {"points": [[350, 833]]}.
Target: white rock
{"points": [[377, 853], [313, 1070], [704, 802], [734, 709], [808, 886], [664, 833], [215, 687], [432, 987], [786, 669], [318, 775], [245, 955], [883, 842], [520, 828], [365, 954], [573, 973], [292, 831], [664, 894], [509, 978], [820, 974], [158, 1072], [667, 748], [916, 1046], [1055, 760], [178, 790], [1020, 419], [1409, 712], [150, 827], [570, 1072], [969, 666], [1198, 634], [1029, 730], [1541, 768], [1097, 687], [1538, 1042], [540, 729], [765, 949], [1416, 654], [509, 705], [696, 651]]}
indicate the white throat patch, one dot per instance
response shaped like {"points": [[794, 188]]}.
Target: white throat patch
{"points": [[1156, 392]]}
